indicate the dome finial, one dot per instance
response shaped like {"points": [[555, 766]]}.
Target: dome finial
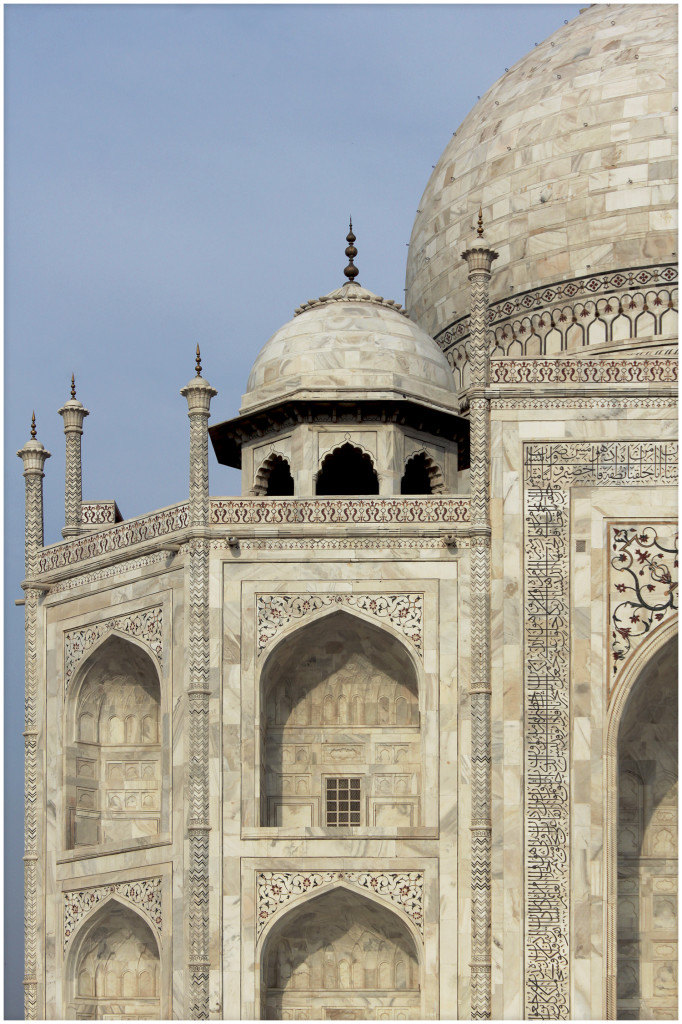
{"points": [[198, 362], [73, 385], [33, 425], [479, 230], [351, 270]]}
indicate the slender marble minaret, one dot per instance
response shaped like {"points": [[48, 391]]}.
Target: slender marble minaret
{"points": [[74, 413], [33, 455], [479, 259], [198, 394]]}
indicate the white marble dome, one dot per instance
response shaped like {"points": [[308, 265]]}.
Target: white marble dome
{"points": [[350, 344], [572, 156]]}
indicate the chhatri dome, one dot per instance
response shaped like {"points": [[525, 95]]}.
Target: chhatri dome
{"points": [[350, 343], [572, 155], [342, 398]]}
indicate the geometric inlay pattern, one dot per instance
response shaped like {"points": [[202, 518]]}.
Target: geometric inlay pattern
{"points": [[403, 611], [405, 889], [144, 894], [146, 626], [643, 581], [550, 470]]}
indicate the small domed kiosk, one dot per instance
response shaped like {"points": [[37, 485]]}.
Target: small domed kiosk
{"points": [[349, 397]]}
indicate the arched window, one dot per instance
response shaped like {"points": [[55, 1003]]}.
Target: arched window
{"points": [[355, 953], [422, 476], [340, 728], [113, 762], [347, 470], [274, 478], [646, 966], [114, 967]]}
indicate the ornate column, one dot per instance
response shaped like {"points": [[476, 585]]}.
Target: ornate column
{"points": [[479, 259], [74, 413], [198, 394], [33, 455]]}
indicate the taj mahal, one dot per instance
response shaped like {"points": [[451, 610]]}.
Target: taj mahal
{"points": [[392, 734]]}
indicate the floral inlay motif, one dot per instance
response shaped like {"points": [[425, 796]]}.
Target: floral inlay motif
{"points": [[405, 889], [146, 626], [404, 612], [144, 894], [643, 585]]}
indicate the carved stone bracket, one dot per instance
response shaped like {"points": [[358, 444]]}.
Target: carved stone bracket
{"points": [[643, 582], [550, 470], [144, 894], [404, 889], [404, 612], [146, 626]]}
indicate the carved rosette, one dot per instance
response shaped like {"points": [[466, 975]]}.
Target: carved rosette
{"points": [[146, 626], [550, 470], [403, 889], [145, 894], [404, 612]]}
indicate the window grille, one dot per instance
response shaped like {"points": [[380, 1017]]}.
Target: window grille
{"points": [[343, 802]]}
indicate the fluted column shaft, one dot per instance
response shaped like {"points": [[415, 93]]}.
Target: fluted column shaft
{"points": [[73, 413], [198, 393], [33, 455], [479, 259]]}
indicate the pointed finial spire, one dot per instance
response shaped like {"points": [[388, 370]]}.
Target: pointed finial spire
{"points": [[479, 230], [198, 362], [73, 385], [33, 425], [351, 270]]}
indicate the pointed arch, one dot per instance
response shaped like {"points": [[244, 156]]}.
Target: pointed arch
{"points": [[660, 649], [114, 955], [347, 469], [320, 687], [112, 755], [350, 932], [422, 475], [274, 478]]}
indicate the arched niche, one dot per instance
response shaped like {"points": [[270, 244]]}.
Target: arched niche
{"points": [[340, 728], [422, 476], [113, 769], [643, 888], [340, 955], [113, 967], [274, 478], [347, 470]]}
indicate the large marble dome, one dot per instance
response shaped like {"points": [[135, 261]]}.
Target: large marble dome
{"points": [[352, 344], [572, 156]]}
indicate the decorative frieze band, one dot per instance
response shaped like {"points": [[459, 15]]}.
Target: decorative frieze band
{"points": [[404, 889], [595, 309], [333, 511], [99, 513], [404, 612], [132, 531], [145, 894], [146, 626], [550, 470], [643, 583], [583, 371]]}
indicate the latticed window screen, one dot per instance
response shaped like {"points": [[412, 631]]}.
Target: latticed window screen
{"points": [[343, 802]]}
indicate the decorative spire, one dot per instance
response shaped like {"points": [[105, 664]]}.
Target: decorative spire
{"points": [[73, 386], [198, 362], [479, 230], [351, 270], [33, 426]]}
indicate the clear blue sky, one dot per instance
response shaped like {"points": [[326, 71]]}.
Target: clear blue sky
{"points": [[184, 174]]}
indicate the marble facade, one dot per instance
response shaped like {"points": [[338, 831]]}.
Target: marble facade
{"points": [[388, 754]]}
